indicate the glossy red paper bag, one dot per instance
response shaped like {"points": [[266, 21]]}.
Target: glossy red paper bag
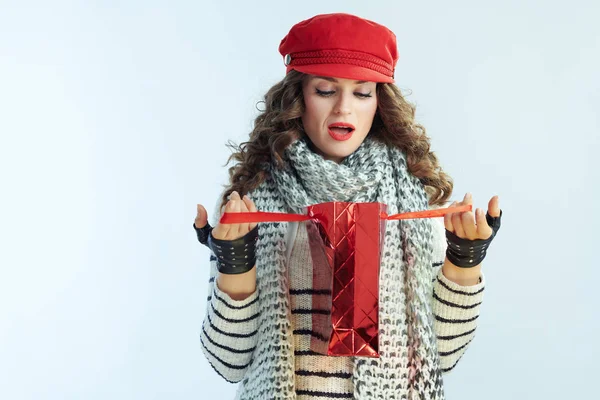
{"points": [[346, 242]]}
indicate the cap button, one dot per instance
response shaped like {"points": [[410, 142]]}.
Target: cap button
{"points": [[288, 59]]}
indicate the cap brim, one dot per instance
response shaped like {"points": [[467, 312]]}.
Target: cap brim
{"points": [[343, 71]]}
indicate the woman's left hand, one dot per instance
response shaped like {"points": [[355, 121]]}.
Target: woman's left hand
{"points": [[467, 225]]}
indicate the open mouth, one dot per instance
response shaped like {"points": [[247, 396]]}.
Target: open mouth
{"points": [[340, 134], [341, 131]]}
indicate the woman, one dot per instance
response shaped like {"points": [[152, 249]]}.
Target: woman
{"points": [[337, 128]]}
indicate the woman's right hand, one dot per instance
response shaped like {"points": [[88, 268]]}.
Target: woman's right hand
{"points": [[235, 231], [239, 286], [228, 231]]}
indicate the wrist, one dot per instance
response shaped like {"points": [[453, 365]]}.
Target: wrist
{"points": [[237, 256], [462, 276], [238, 286]]}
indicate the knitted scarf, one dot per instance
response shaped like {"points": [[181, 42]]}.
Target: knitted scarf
{"points": [[408, 366]]}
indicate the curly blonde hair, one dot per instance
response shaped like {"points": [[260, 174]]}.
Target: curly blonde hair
{"points": [[280, 124]]}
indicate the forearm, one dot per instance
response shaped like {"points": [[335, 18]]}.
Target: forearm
{"points": [[456, 310], [229, 331]]}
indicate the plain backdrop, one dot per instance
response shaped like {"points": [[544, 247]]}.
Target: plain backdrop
{"points": [[113, 121]]}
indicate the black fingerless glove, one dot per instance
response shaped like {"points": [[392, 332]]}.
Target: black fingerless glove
{"points": [[467, 253], [202, 233], [233, 256]]}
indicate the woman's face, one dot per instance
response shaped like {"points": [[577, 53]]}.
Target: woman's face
{"points": [[337, 101]]}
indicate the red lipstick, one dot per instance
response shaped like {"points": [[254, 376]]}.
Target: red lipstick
{"points": [[341, 131]]}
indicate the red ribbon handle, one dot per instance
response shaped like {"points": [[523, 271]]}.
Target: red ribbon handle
{"points": [[440, 212], [263, 216]]}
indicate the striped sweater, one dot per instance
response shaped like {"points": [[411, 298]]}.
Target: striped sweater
{"points": [[229, 330]]}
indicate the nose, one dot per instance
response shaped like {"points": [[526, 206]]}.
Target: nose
{"points": [[343, 104]]}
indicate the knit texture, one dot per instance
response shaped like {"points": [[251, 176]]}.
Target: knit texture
{"points": [[317, 376], [409, 364], [229, 331], [408, 361]]}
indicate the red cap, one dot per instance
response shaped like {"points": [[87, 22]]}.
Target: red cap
{"points": [[341, 45]]}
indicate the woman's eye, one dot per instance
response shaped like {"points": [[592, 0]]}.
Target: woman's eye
{"points": [[331, 92], [325, 93]]}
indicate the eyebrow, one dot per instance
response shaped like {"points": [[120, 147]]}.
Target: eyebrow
{"points": [[327, 78]]}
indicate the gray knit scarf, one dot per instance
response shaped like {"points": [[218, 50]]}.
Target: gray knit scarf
{"points": [[408, 366]]}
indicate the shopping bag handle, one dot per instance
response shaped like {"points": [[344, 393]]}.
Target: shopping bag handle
{"points": [[264, 216]]}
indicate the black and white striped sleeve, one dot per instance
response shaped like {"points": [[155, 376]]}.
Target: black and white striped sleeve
{"points": [[455, 311], [455, 308], [229, 330]]}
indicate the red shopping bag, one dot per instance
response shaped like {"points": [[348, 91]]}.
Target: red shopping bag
{"points": [[346, 243]]}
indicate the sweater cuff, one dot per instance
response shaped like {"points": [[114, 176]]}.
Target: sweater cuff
{"points": [[457, 299], [231, 324], [223, 298], [229, 333], [466, 289]]}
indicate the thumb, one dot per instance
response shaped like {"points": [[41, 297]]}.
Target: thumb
{"points": [[494, 207], [201, 216]]}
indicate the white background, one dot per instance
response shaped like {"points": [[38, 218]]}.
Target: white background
{"points": [[113, 121]]}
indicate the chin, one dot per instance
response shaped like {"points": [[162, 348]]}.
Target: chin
{"points": [[339, 153], [329, 148]]}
